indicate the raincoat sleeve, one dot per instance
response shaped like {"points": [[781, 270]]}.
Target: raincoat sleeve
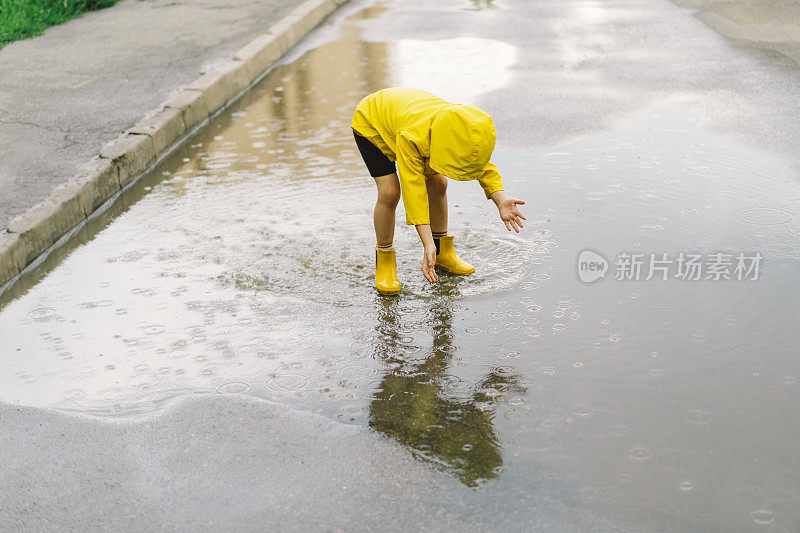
{"points": [[412, 180], [491, 180]]}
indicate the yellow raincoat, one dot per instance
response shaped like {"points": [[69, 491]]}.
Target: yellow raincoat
{"points": [[427, 135]]}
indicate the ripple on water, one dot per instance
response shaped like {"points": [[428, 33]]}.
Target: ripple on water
{"points": [[764, 216], [762, 516], [639, 453], [582, 410], [534, 441], [504, 370], [41, 314], [234, 387], [288, 382], [697, 416], [678, 460], [113, 394], [145, 380], [560, 467], [642, 512]]}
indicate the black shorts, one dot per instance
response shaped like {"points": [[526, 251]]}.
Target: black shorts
{"points": [[377, 162]]}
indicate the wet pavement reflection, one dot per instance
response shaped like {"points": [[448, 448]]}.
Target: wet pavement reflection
{"points": [[413, 402], [243, 265]]}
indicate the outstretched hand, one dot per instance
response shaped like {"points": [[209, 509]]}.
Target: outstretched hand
{"points": [[510, 214], [429, 263]]}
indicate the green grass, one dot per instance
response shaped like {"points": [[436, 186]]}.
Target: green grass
{"points": [[21, 19]]}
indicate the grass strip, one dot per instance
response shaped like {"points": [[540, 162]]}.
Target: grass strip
{"points": [[21, 19]]}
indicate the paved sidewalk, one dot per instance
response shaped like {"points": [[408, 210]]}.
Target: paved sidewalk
{"points": [[79, 86]]}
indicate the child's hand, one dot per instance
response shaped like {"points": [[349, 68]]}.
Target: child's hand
{"points": [[428, 263], [511, 216]]}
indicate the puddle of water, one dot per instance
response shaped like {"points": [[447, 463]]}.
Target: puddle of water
{"points": [[451, 66], [243, 265]]}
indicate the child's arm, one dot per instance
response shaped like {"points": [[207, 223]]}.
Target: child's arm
{"points": [[511, 216], [429, 257], [415, 198]]}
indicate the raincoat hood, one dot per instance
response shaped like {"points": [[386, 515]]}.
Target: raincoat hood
{"points": [[462, 141], [426, 135]]}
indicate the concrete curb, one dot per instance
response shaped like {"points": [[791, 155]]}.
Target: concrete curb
{"points": [[126, 159]]}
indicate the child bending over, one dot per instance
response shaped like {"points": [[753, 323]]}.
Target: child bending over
{"points": [[429, 140]]}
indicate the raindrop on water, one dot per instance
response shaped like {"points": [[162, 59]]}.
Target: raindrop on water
{"points": [[762, 516], [234, 387], [639, 453]]}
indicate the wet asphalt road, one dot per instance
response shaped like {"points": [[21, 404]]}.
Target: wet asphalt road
{"points": [[220, 329], [58, 109]]}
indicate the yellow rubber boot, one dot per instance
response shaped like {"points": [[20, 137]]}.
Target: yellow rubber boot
{"points": [[386, 272], [447, 259]]}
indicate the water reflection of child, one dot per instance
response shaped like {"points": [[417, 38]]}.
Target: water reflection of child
{"points": [[413, 403], [427, 138]]}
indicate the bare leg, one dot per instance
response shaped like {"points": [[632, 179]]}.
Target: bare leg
{"points": [[437, 202], [388, 196]]}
